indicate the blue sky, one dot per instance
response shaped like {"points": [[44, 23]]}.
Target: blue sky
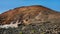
{"points": [[10, 4]]}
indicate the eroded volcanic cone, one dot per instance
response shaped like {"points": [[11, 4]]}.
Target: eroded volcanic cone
{"points": [[29, 14]]}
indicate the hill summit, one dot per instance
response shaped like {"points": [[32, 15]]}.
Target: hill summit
{"points": [[26, 15]]}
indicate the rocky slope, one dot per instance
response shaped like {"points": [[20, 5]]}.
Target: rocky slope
{"points": [[34, 19]]}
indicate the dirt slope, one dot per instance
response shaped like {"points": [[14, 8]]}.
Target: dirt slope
{"points": [[28, 14]]}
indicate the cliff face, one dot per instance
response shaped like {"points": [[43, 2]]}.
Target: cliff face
{"points": [[29, 14]]}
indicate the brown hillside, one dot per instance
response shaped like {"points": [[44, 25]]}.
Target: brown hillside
{"points": [[29, 14]]}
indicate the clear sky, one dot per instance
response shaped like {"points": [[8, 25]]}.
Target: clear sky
{"points": [[10, 4]]}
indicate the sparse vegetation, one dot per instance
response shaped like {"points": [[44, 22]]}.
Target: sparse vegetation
{"points": [[43, 28]]}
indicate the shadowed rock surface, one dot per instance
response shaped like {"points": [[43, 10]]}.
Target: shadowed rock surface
{"points": [[35, 19]]}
